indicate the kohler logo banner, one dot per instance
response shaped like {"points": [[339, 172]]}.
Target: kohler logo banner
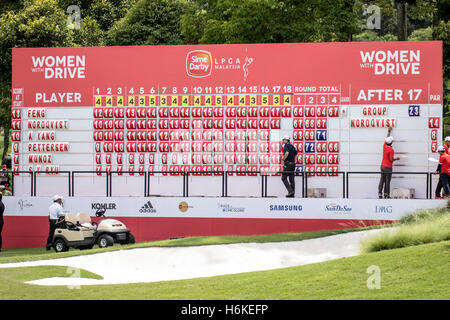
{"points": [[106, 206]]}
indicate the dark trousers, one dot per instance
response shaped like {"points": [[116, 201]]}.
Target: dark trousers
{"points": [[1, 229], [51, 232], [445, 183], [439, 186], [385, 181], [289, 172]]}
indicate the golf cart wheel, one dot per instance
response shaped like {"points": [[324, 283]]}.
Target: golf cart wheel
{"points": [[105, 241], [60, 245], [131, 239]]}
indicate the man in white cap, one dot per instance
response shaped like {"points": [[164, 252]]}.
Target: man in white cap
{"points": [[288, 162], [447, 144], [386, 166], [54, 212]]}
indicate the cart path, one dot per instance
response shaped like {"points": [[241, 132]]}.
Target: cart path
{"points": [[175, 263]]}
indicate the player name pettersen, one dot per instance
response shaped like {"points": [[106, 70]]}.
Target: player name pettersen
{"points": [[48, 147]]}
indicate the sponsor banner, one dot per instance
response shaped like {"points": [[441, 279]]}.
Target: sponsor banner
{"points": [[257, 208]]}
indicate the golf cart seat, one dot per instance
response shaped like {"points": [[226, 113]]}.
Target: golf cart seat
{"points": [[84, 220], [71, 217]]}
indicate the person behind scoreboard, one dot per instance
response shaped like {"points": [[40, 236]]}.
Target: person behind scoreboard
{"points": [[438, 191], [288, 163], [386, 166]]}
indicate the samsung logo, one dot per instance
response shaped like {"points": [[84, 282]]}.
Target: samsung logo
{"points": [[285, 207]]}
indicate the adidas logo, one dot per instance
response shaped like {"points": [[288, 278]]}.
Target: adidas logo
{"points": [[147, 208]]}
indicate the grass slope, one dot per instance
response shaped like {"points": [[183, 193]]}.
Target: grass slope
{"points": [[419, 272], [426, 226]]}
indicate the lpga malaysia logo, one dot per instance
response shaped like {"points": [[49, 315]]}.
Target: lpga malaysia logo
{"points": [[337, 208], [24, 204], [199, 64]]}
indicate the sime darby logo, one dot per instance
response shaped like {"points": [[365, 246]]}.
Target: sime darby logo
{"points": [[391, 62], [60, 67], [199, 64]]}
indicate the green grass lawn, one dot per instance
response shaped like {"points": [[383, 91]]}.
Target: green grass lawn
{"points": [[33, 254], [417, 272]]}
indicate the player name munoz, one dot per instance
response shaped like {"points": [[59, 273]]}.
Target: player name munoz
{"points": [[48, 124], [48, 147], [40, 158]]}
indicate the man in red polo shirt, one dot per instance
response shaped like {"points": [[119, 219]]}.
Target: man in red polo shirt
{"points": [[439, 186], [386, 166], [444, 161]]}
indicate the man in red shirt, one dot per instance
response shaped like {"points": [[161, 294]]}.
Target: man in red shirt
{"points": [[438, 170], [386, 166], [444, 161]]}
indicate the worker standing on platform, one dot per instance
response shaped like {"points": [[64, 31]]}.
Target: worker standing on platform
{"points": [[55, 211], [386, 166], [288, 162], [438, 190], [2, 209], [444, 162]]}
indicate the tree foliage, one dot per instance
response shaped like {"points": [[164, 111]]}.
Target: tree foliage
{"points": [[149, 22], [263, 21]]}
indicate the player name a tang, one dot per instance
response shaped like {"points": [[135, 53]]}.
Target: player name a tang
{"points": [[46, 135], [372, 123], [48, 147], [48, 124]]}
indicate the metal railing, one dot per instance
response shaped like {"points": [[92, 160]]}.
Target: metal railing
{"points": [[147, 175]]}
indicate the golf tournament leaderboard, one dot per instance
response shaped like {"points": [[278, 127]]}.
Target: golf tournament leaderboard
{"points": [[214, 108]]}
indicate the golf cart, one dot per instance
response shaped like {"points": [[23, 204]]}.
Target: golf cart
{"points": [[78, 231]]}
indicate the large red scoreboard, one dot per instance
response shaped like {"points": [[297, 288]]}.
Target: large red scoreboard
{"points": [[215, 108]]}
